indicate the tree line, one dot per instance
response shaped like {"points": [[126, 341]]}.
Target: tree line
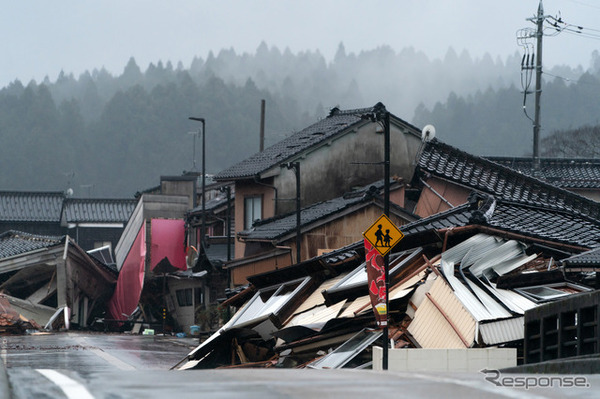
{"points": [[111, 136]]}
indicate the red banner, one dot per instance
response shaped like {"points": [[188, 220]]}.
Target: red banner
{"points": [[376, 281]]}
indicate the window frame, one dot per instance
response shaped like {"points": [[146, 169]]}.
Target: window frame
{"points": [[253, 198]]}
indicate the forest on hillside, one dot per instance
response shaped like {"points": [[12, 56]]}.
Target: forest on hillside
{"points": [[111, 136]]}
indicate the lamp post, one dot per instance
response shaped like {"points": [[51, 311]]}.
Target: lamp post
{"points": [[202, 229]]}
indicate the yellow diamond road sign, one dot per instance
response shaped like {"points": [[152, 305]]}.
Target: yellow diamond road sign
{"points": [[383, 235]]}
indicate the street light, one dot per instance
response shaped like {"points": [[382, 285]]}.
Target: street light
{"points": [[202, 229]]}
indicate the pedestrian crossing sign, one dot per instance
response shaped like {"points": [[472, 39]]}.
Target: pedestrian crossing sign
{"points": [[383, 235]]}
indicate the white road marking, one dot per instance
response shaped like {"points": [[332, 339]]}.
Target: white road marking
{"points": [[71, 388], [113, 360], [4, 352]]}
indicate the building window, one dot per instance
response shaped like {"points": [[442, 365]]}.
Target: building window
{"points": [[252, 211], [184, 297]]}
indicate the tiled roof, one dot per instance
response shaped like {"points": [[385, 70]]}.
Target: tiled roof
{"points": [[30, 206], [589, 258], [15, 242], [337, 122], [565, 173], [480, 174], [98, 210], [543, 223], [279, 226]]}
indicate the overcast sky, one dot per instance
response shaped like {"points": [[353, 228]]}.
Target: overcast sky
{"points": [[40, 38]]}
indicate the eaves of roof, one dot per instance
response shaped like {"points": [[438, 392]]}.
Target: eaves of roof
{"points": [[568, 173], [535, 222], [275, 228], [78, 210], [283, 227], [588, 258]]}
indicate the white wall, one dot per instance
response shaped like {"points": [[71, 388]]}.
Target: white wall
{"points": [[465, 360]]}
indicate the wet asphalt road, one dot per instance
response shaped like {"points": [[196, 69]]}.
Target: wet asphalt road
{"points": [[82, 365]]}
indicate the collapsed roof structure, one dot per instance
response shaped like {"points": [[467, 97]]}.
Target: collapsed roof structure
{"points": [[461, 278], [51, 282]]}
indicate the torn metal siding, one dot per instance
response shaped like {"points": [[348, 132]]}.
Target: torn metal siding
{"points": [[432, 329], [517, 303], [502, 331], [466, 297]]}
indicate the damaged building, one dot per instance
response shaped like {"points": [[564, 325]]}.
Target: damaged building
{"points": [[493, 245], [51, 282]]}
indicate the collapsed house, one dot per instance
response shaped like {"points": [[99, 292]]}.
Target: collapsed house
{"points": [[49, 281], [466, 285], [489, 249]]}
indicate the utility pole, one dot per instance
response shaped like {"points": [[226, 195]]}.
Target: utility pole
{"points": [[538, 87]]}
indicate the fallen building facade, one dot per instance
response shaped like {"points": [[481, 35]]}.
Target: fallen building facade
{"points": [[51, 282]]}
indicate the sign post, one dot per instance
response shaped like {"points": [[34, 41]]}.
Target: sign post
{"points": [[380, 238]]}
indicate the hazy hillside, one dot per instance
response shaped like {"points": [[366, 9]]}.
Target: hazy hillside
{"points": [[105, 135]]}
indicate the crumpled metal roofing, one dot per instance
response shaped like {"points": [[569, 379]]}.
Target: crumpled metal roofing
{"points": [[452, 164], [566, 173], [15, 243]]}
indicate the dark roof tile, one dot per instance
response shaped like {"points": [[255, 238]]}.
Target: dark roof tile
{"points": [[99, 210], [483, 175], [337, 122], [30, 206], [15, 243], [566, 173], [536, 222]]}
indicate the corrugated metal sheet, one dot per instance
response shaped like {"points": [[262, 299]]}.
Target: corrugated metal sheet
{"points": [[501, 331], [465, 296], [316, 298], [515, 302], [491, 304], [431, 329], [507, 251], [317, 316], [476, 245], [508, 266]]}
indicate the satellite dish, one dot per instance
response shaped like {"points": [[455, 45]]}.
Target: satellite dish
{"points": [[69, 192], [428, 133]]}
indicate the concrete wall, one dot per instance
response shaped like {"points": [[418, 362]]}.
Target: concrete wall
{"points": [[330, 170], [442, 360]]}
